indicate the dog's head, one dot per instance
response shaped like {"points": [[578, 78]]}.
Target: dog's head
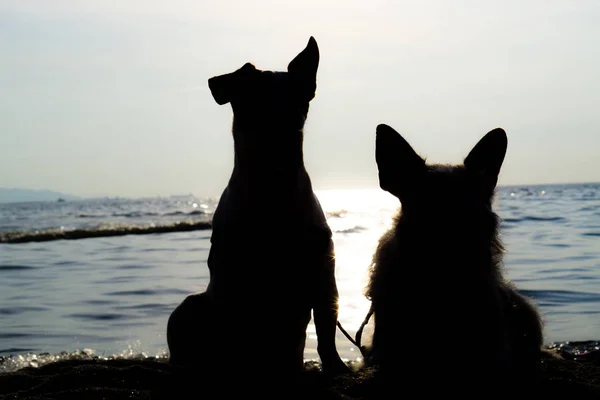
{"points": [[267, 100], [436, 189]]}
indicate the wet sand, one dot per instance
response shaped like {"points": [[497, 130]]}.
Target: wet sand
{"points": [[560, 375]]}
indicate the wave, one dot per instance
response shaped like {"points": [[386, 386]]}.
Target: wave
{"points": [[98, 317], [140, 214], [535, 219], [561, 297], [134, 214], [147, 292], [19, 358], [15, 362], [354, 229], [20, 310], [85, 233], [15, 267], [195, 212]]}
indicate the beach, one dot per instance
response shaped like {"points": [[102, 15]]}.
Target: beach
{"points": [[560, 375]]}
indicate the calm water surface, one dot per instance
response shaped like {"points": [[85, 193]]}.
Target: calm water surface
{"points": [[113, 295]]}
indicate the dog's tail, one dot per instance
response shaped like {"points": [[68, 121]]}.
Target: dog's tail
{"points": [[356, 341]]}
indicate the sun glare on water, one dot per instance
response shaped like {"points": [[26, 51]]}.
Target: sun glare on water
{"points": [[357, 218]]}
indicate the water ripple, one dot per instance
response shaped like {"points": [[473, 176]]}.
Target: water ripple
{"points": [[99, 302], [14, 335], [16, 267], [20, 310], [534, 219], [146, 292], [133, 266], [557, 245], [559, 297], [99, 317]]}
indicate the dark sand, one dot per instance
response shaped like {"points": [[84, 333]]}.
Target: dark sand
{"points": [[560, 375]]}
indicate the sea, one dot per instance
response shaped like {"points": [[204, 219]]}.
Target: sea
{"points": [[99, 277]]}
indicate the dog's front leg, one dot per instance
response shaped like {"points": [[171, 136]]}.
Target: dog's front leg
{"points": [[325, 311]]}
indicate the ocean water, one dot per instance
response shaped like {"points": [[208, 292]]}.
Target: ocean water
{"points": [[105, 296]]}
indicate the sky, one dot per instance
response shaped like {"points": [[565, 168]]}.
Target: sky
{"points": [[110, 98]]}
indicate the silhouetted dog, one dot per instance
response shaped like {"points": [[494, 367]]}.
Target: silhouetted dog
{"points": [[272, 258], [436, 281]]}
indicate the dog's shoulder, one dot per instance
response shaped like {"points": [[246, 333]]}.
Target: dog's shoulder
{"points": [[239, 216]]}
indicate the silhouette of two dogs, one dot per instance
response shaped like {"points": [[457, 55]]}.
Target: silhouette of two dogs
{"points": [[436, 276], [271, 259]]}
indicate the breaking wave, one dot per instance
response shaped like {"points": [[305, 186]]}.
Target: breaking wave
{"points": [[84, 233], [16, 362]]}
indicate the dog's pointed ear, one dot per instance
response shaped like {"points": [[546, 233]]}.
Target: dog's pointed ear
{"points": [[398, 164], [303, 69], [486, 158]]}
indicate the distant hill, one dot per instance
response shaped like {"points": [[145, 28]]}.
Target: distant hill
{"points": [[14, 195]]}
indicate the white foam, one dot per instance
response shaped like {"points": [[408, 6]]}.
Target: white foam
{"points": [[16, 362]]}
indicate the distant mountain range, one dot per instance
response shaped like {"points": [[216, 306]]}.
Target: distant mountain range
{"points": [[14, 195]]}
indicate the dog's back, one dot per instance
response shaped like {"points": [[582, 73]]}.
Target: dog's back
{"points": [[436, 278]]}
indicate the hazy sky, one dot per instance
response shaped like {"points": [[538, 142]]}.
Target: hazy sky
{"points": [[104, 97]]}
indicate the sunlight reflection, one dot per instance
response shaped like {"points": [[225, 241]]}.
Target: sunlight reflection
{"points": [[357, 218]]}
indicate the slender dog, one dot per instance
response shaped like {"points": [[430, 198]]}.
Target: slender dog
{"points": [[271, 259], [436, 280]]}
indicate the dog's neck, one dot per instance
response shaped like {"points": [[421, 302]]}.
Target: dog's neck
{"points": [[250, 160], [263, 164]]}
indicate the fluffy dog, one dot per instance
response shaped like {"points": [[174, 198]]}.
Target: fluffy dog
{"points": [[436, 277]]}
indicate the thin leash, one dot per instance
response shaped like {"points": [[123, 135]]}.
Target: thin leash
{"points": [[357, 340]]}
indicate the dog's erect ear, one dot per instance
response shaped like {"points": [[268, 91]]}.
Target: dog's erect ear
{"points": [[222, 87], [303, 69], [486, 158], [398, 164]]}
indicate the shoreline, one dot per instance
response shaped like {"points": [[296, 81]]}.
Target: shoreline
{"points": [[561, 374]]}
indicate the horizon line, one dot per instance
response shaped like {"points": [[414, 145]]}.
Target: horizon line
{"points": [[92, 197]]}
